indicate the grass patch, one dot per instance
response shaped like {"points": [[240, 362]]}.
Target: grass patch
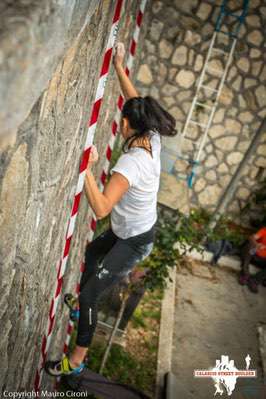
{"points": [[121, 366], [138, 319]]}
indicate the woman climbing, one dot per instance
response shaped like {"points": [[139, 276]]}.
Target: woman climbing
{"points": [[131, 198]]}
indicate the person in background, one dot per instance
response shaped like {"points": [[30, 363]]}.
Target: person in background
{"points": [[254, 252]]}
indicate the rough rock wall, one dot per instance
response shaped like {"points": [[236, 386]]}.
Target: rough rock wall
{"points": [[50, 59], [176, 41]]}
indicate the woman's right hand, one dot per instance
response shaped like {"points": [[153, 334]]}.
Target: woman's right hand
{"points": [[119, 55]]}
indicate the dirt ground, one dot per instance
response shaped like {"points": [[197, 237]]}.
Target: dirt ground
{"points": [[215, 316]]}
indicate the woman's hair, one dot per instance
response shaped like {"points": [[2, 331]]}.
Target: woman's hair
{"points": [[145, 115]]}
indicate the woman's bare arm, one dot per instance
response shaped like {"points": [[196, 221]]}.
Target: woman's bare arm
{"points": [[127, 86], [103, 203]]}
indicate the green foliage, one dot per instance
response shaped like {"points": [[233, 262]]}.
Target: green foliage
{"points": [[228, 230], [177, 234], [122, 366], [194, 230], [138, 319], [164, 254]]}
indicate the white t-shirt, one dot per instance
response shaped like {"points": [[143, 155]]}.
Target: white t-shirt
{"points": [[136, 212]]}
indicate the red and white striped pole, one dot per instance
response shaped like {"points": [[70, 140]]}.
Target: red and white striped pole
{"points": [[82, 171], [110, 146]]}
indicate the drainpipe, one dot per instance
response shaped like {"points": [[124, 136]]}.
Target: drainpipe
{"points": [[231, 188]]}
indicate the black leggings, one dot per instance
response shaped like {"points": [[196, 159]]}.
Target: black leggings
{"points": [[108, 259]]}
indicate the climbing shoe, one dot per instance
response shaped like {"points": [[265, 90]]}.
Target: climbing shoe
{"points": [[71, 301], [62, 367], [72, 304], [253, 285]]}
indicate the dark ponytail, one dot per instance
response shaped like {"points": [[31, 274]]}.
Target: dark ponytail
{"points": [[146, 115]]}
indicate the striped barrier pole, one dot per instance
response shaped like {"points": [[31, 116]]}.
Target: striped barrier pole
{"points": [[92, 124], [109, 148]]}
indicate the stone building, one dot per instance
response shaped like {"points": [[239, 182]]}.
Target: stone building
{"points": [[175, 43], [50, 59]]}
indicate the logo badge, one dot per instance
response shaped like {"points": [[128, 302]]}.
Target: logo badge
{"points": [[225, 374]]}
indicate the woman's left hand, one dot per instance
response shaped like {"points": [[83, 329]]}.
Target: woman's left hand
{"points": [[94, 156], [119, 55]]}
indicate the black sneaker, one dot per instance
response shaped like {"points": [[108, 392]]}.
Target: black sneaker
{"points": [[62, 367]]}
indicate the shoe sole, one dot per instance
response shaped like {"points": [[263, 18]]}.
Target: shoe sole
{"points": [[48, 364]]}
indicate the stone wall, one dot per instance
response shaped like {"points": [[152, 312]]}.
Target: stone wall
{"points": [[50, 58], [176, 41]]}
